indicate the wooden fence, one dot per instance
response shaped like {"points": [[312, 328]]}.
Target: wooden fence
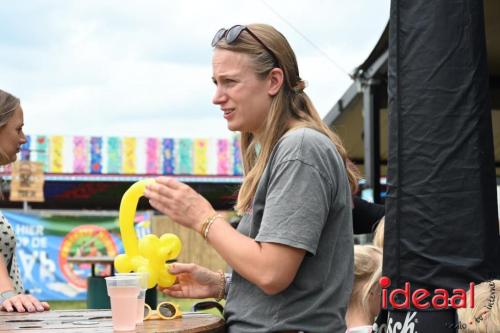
{"points": [[194, 248]]}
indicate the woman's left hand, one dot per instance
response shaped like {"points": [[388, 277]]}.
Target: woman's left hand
{"points": [[179, 202], [23, 303]]}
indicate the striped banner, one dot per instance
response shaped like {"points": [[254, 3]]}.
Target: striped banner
{"points": [[56, 153], [114, 155], [185, 154], [80, 155], [200, 157], [168, 154], [96, 155], [152, 160], [129, 156]]}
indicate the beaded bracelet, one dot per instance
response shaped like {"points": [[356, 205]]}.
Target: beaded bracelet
{"points": [[222, 286]]}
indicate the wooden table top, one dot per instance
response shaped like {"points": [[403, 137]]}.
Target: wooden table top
{"points": [[99, 321]]}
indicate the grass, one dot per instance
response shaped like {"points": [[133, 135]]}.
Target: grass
{"points": [[184, 304]]}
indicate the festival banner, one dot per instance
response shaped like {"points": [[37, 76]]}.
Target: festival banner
{"points": [[56, 154], [44, 244], [168, 155], [96, 155], [200, 157]]}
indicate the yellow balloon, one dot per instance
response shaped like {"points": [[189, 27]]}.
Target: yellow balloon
{"points": [[123, 263], [166, 279], [170, 245], [149, 245], [150, 253]]}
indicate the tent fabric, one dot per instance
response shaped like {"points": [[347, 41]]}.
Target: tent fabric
{"points": [[441, 209]]}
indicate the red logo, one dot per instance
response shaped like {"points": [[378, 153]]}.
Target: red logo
{"points": [[440, 299]]}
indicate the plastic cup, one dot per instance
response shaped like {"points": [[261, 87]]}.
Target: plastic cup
{"points": [[143, 278], [123, 292]]}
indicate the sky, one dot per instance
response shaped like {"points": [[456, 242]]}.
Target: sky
{"points": [[143, 68]]}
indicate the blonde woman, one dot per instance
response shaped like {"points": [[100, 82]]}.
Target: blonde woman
{"points": [[364, 304], [12, 297], [292, 254]]}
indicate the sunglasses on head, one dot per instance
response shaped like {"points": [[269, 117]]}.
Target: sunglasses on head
{"points": [[232, 34], [164, 310]]}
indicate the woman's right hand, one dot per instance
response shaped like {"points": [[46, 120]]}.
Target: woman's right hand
{"points": [[23, 303], [193, 281]]}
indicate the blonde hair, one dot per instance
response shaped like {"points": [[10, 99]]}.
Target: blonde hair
{"points": [[8, 104], [484, 317], [378, 236], [291, 102], [367, 272]]}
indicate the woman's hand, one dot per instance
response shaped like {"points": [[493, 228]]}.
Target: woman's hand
{"points": [[193, 281], [23, 303], [179, 202]]}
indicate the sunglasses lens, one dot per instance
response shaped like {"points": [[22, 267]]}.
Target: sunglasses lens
{"points": [[218, 36], [234, 33], [146, 311], [167, 310]]}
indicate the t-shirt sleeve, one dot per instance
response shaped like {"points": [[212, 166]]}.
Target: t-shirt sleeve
{"points": [[297, 205]]}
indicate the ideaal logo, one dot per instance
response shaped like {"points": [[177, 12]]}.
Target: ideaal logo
{"points": [[84, 241], [440, 298]]}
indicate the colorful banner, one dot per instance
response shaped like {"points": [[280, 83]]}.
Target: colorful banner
{"points": [[45, 243], [200, 157], [152, 165], [168, 157], [80, 155], [129, 158], [96, 155], [114, 155], [56, 154], [134, 156]]}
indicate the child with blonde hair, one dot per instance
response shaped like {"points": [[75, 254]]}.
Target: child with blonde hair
{"points": [[484, 317], [364, 304]]}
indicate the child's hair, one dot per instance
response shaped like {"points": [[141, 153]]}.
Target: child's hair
{"points": [[484, 317], [367, 272], [378, 236]]}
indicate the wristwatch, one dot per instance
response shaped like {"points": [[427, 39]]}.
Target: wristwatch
{"points": [[5, 295]]}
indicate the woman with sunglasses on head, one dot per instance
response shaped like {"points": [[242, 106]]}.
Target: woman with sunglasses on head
{"points": [[292, 254], [12, 297]]}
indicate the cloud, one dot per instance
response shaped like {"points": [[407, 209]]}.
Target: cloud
{"points": [[124, 67]]}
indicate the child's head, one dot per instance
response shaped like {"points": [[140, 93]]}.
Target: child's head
{"points": [[367, 272], [484, 317]]}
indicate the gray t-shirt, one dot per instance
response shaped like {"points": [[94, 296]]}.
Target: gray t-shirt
{"points": [[303, 200]]}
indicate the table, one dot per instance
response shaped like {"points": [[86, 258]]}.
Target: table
{"points": [[99, 321], [97, 296]]}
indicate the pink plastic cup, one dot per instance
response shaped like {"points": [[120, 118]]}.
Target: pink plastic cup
{"points": [[123, 292]]}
